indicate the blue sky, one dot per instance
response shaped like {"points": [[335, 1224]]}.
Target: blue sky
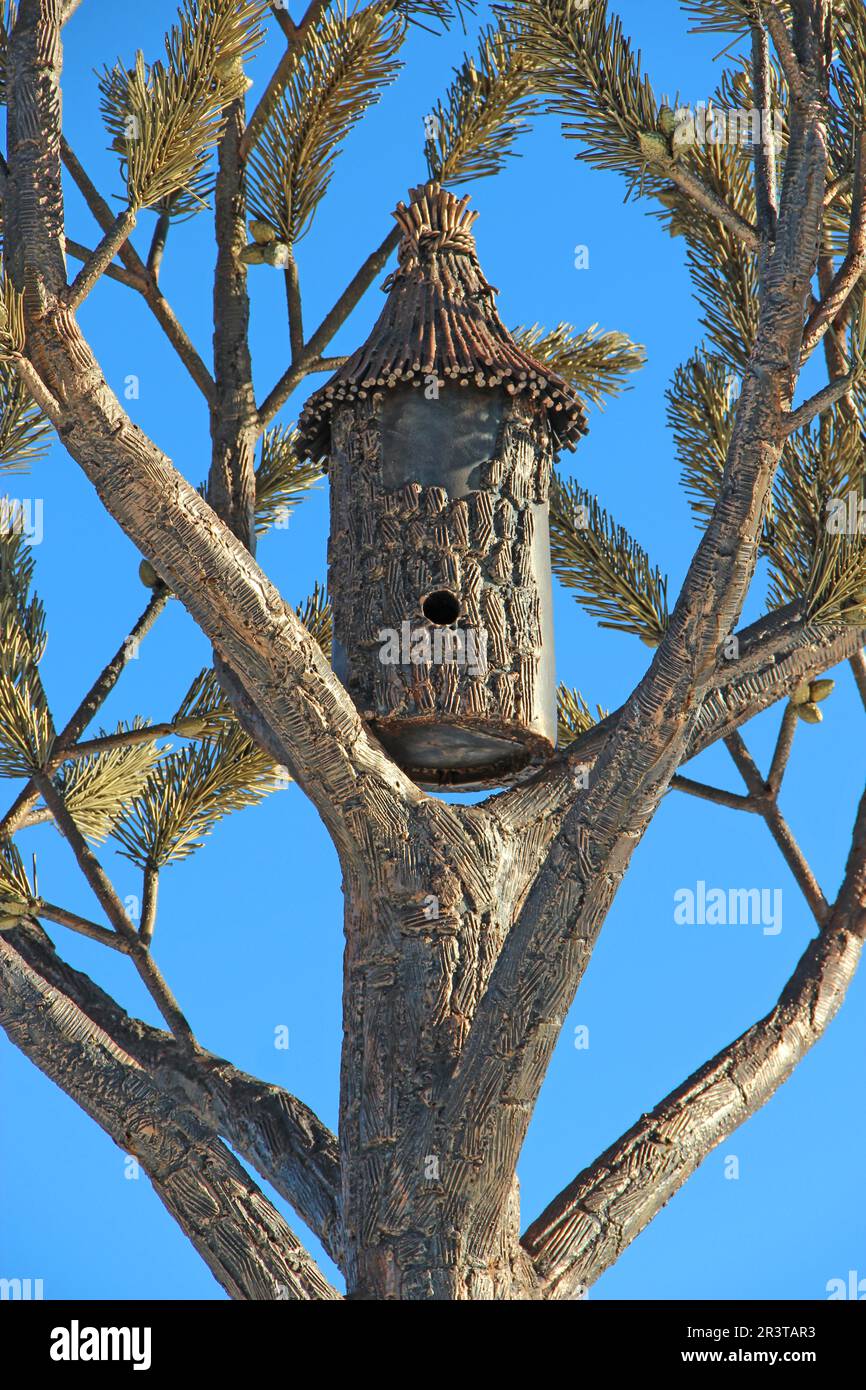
{"points": [[658, 998]]}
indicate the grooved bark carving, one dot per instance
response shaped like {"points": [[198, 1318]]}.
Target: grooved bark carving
{"points": [[490, 674]]}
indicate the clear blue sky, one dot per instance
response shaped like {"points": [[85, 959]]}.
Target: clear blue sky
{"points": [[658, 998]]}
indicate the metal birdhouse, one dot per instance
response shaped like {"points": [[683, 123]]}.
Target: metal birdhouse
{"points": [[439, 435]]}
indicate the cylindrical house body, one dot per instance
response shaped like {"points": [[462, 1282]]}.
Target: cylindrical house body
{"points": [[440, 435]]}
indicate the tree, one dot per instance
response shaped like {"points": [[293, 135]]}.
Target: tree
{"points": [[449, 1018]]}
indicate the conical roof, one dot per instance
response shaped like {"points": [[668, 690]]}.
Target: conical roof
{"points": [[440, 317]]}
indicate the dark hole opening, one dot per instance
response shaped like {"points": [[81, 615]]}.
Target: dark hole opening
{"points": [[441, 608]]}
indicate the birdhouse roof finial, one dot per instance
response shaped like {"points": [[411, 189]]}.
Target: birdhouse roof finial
{"points": [[440, 319]]}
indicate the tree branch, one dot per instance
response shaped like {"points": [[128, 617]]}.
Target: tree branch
{"points": [[821, 402], [858, 666], [93, 700], [785, 49], [852, 266], [782, 751], [293, 302], [113, 272], [347, 301], [295, 34], [764, 148], [280, 1136], [242, 1239], [101, 258], [149, 289], [704, 197], [585, 1229], [780, 830], [776, 655]]}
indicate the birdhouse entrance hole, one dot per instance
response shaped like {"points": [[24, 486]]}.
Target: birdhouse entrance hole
{"points": [[441, 608]]}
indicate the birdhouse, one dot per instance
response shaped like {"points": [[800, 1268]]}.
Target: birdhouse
{"points": [[439, 436]]}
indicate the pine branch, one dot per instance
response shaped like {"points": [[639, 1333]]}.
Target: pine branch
{"points": [[574, 714], [472, 130], [97, 787], [26, 727], [819, 471], [586, 68], [340, 69], [166, 118], [701, 417], [315, 613], [596, 363], [611, 573], [88, 707], [25, 432], [16, 890], [282, 478], [723, 269]]}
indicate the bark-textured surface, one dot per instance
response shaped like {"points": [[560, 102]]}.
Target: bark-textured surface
{"points": [[476, 712], [467, 929]]}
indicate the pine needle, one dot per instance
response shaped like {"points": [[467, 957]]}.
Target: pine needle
{"points": [[611, 574], [282, 478], [15, 887], [596, 363], [98, 789], [26, 727], [473, 129], [701, 416], [574, 714], [165, 118], [344, 62], [25, 432]]}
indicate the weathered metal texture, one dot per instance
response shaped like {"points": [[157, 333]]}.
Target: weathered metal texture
{"points": [[471, 703], [440, 320], [443, 491]]}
